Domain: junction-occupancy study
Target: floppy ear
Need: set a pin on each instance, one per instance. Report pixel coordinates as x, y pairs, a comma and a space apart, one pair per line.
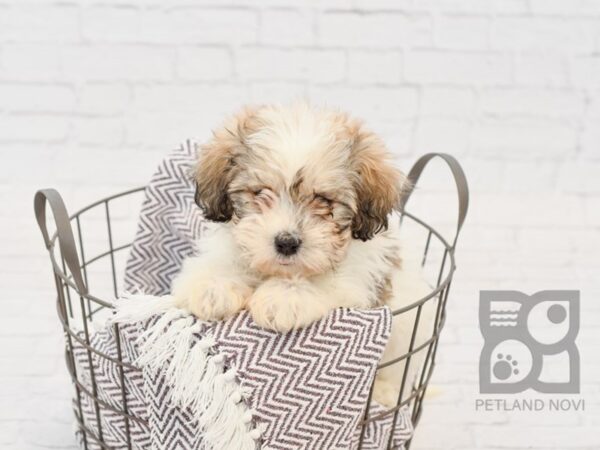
379, 185
216, 165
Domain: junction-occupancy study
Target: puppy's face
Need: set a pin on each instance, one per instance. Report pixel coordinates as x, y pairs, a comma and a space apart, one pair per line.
297, 184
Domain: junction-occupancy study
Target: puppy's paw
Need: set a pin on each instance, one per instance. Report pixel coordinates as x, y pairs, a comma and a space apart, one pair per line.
211, 299
283, 305
385, 392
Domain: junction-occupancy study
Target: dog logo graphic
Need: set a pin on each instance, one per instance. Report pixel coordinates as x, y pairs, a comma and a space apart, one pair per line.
529, 342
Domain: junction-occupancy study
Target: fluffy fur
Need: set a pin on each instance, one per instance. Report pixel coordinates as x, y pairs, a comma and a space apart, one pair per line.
325, 183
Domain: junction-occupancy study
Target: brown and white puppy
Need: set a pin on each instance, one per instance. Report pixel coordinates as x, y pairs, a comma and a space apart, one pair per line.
303, 195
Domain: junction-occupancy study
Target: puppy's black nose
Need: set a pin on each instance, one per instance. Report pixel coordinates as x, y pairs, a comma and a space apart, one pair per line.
287, 244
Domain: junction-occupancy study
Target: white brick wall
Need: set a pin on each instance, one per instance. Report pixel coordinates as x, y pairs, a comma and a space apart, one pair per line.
92, 93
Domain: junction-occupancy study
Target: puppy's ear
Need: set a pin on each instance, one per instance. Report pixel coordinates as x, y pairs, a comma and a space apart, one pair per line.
216, 165
379, 185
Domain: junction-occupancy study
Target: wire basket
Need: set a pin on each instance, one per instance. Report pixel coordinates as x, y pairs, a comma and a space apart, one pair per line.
87, 267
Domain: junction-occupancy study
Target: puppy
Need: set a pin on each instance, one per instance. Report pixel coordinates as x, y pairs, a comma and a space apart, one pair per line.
303, 195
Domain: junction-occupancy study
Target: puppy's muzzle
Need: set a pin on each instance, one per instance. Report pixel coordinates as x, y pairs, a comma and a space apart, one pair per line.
287, 244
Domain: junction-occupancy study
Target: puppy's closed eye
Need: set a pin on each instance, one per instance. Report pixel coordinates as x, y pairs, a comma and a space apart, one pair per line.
322, 205
322, 198
263, 196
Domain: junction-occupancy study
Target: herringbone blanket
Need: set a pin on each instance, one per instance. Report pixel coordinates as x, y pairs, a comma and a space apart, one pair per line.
231, 384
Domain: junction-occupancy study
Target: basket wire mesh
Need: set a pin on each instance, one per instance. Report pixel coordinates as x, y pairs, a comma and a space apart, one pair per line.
77, 307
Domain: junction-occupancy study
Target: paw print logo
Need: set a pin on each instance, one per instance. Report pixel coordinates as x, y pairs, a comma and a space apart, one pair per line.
505, 367
521, 334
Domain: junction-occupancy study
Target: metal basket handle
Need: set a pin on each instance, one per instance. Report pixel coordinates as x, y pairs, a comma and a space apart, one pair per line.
64, 231
459, 178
